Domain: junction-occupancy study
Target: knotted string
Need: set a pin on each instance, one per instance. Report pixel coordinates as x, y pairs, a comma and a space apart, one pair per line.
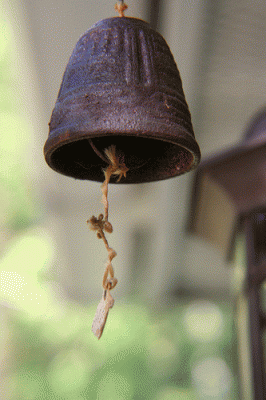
101, 224
121, 7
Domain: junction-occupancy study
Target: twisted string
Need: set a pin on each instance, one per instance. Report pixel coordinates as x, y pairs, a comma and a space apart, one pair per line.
101, 224
121, 7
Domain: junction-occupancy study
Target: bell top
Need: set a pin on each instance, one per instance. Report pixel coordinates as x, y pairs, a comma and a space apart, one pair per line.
122, 52
122, 83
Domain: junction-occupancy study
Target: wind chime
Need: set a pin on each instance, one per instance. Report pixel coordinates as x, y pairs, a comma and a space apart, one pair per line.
120, 110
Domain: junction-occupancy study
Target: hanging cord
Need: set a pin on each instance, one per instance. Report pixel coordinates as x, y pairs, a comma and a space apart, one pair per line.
121, 7
99, 154
101, 224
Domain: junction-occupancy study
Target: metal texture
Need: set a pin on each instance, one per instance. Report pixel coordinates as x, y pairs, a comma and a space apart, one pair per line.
122, 87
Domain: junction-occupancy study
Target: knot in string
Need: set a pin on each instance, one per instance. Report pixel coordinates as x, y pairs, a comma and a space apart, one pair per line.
101, 224
120, 8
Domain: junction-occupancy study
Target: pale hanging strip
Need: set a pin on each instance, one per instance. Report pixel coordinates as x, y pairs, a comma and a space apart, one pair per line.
101, 225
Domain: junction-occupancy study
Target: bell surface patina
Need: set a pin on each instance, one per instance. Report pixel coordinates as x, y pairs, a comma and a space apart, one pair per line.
121, 87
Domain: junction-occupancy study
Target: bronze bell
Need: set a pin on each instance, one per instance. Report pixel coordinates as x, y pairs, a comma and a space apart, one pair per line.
121, 87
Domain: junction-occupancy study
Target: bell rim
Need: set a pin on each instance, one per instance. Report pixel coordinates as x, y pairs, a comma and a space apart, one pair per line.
191, 146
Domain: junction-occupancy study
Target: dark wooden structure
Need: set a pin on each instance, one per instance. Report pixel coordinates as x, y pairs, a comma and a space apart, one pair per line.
229, 205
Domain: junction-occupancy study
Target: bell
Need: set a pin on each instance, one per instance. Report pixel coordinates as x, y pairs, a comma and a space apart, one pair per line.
121, 87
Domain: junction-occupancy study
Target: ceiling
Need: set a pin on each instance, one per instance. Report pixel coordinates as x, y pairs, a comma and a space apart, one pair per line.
219, 47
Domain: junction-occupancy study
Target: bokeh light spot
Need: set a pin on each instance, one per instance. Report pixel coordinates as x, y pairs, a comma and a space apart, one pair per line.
174, 393
212, 378
114, 386
203, 321
68, 372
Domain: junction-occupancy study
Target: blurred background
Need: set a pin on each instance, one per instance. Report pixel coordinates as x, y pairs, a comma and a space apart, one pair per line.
171, 333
